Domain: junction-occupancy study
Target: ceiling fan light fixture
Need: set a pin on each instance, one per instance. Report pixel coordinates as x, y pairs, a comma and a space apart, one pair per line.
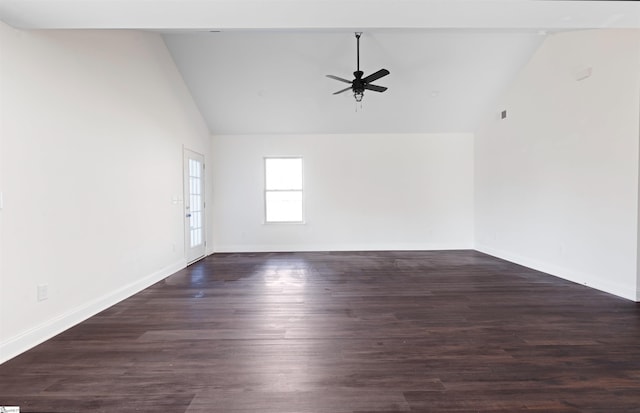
359, 83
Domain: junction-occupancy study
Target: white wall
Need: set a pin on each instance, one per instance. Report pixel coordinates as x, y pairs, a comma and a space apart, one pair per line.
93, 127
362, 192
557, 181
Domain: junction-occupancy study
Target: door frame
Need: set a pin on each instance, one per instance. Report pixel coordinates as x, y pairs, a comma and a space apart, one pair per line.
186, 155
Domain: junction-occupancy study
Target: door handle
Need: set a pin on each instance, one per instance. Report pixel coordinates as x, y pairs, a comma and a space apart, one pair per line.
188, 215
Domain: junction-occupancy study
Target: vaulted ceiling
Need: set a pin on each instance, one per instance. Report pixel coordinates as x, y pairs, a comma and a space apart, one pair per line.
259, 66
274, 82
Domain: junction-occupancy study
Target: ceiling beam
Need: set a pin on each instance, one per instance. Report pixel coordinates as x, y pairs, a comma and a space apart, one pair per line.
345, 15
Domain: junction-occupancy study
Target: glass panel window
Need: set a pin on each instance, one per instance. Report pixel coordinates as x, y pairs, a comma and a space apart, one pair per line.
283, 190
195, 185
283, 173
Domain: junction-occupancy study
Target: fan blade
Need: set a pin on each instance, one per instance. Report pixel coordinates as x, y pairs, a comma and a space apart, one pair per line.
375, 88
338, 78
343, 90
375, 76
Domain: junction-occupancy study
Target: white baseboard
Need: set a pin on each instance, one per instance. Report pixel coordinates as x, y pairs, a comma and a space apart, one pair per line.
589, 280
13, 346
340, 247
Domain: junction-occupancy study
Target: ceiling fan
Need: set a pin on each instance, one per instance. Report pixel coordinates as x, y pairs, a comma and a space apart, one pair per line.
359, 84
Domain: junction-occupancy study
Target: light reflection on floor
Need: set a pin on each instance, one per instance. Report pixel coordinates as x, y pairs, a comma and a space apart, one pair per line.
197, 276
285, 273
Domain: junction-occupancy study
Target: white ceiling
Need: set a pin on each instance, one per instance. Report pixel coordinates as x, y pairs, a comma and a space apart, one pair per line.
274, 82
265, 71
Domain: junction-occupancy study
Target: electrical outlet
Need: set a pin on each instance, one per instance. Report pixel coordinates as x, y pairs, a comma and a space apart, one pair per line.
43, 292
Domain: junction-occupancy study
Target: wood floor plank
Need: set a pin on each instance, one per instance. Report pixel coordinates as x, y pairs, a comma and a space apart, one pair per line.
318, 401
343, 332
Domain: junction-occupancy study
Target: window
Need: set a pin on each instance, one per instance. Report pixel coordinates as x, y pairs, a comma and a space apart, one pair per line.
283, 189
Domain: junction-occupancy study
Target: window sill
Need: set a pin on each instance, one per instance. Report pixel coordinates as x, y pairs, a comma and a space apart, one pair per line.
284, 223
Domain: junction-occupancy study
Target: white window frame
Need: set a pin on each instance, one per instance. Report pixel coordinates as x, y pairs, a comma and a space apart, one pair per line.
266, 191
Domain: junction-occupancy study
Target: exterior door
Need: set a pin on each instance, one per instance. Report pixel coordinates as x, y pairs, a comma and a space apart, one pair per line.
194, 228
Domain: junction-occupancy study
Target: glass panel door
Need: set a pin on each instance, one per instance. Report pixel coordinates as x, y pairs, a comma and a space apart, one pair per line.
194, 205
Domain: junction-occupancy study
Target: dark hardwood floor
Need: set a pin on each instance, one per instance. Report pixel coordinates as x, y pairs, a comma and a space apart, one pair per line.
448, 331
